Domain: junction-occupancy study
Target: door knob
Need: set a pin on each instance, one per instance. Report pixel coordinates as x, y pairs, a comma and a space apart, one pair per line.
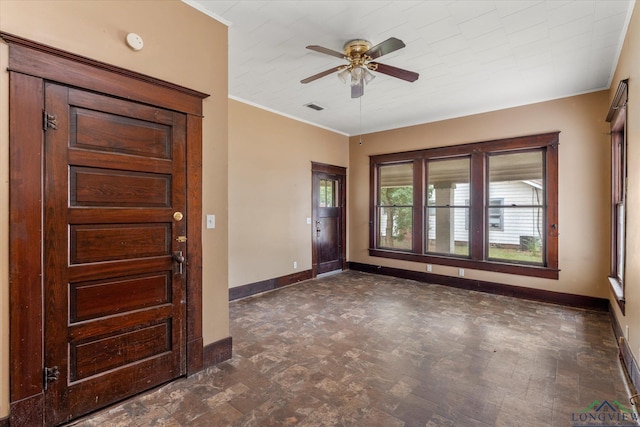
179, 258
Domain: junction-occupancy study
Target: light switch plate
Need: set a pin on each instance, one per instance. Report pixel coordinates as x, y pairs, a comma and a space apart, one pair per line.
211, 221
308, 221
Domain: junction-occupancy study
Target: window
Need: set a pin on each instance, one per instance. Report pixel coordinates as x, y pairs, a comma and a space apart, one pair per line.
518, 177
395, 208
447, 180
617, 118
489, 206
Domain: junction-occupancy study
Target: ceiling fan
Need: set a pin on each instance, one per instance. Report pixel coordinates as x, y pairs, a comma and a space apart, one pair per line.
360, 55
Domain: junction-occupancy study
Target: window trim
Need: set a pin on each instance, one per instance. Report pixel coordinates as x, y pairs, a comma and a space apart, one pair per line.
617, 118
478, 151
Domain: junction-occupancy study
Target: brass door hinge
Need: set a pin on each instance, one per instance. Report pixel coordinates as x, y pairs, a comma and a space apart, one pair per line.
50, 375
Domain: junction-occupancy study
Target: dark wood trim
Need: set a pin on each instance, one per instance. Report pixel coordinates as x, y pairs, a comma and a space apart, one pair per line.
552, 201
626, 356
498, 267
194, 244
330, 169
419, 201
267, 285
57, 65
290, 279
617, 118
619, 100
28, 412
217, 352
373, 203
560, 298
26, 359
494, 146
478, 188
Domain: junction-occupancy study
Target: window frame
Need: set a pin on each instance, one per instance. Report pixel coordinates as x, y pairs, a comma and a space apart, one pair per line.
617, 118
478, 190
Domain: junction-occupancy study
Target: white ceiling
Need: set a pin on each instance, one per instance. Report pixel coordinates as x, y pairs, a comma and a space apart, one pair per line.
472, 56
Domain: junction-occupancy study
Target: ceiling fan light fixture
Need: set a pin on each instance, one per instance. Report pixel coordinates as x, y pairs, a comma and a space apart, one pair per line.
356, 75
342, 75
368, 76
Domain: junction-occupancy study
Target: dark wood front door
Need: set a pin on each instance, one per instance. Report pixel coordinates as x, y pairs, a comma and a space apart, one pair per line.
114, 227
328, 219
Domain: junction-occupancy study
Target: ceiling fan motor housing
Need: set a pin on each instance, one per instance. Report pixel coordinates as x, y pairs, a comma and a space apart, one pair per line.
354, 51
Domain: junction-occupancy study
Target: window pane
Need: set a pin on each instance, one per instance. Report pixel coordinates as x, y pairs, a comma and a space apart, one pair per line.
515, 177
395, 213
396, 227
396, 185
515, 212
323, 193
447, 232
620, 241
448, 180
448, 186
328, 193
520, 240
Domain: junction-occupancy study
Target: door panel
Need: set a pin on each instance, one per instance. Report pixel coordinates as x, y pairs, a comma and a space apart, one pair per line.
104, 187
329, 240
328, 211
114, 296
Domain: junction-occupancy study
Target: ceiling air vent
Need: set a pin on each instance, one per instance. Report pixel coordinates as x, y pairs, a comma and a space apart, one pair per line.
314, 106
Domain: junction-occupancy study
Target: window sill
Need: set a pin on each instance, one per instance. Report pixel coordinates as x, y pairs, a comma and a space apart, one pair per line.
618, 291
498, 267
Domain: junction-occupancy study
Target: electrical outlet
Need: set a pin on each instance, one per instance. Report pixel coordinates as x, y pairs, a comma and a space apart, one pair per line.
461, 272
295, 264
429, 268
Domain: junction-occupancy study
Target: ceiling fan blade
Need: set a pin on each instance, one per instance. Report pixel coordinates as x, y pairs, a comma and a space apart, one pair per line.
390, 45
357, 90
322, 74
326, 51
399, 73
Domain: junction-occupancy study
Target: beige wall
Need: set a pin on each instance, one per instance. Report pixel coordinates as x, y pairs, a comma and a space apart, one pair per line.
270, 191
629, 67
181, 45
583, 184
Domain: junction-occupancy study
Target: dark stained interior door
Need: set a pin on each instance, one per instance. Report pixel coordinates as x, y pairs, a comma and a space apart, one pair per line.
328, 211
114, 273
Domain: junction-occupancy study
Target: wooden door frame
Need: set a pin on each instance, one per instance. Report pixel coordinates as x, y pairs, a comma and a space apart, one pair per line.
333, 170
30, 65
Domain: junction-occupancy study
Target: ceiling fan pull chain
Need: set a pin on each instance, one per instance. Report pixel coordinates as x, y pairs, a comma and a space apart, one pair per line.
360, 143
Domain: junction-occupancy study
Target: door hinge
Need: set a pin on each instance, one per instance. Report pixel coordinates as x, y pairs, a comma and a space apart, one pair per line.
50, 375
49, 121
